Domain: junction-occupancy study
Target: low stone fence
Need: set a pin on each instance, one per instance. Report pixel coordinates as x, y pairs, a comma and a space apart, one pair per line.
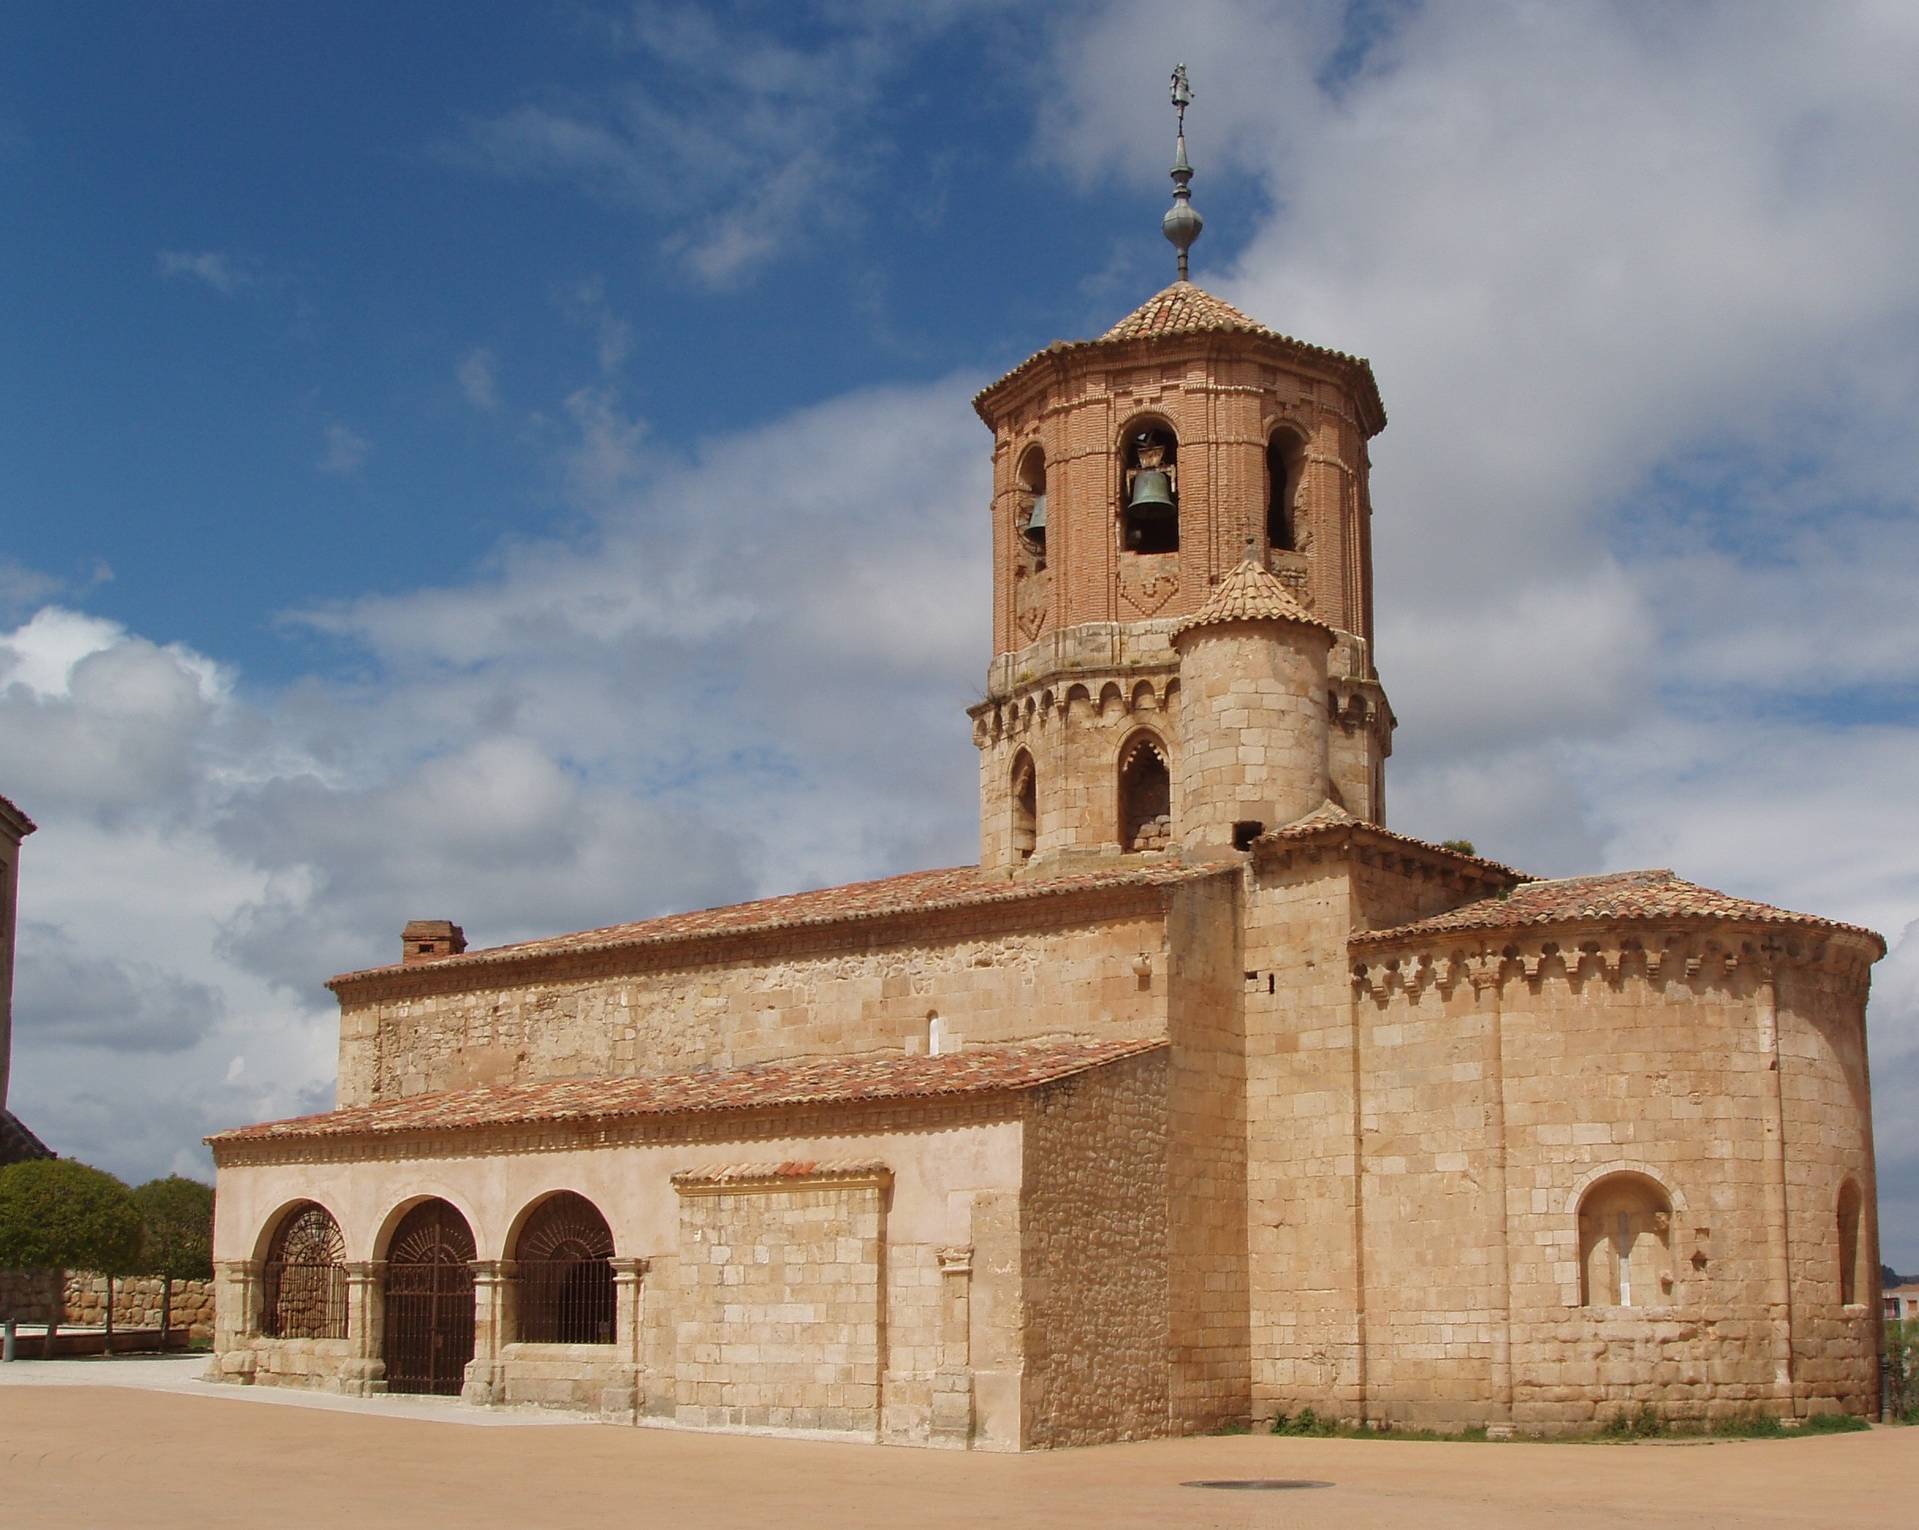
79, 1298
32, 1296
136, 1303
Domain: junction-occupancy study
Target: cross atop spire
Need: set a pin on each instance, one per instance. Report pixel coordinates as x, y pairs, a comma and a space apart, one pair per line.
1182, 224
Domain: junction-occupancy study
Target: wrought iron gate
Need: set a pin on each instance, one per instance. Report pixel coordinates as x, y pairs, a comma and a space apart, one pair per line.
429, 1301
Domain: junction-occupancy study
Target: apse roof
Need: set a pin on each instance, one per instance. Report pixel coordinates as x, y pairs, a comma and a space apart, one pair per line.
766, 1086
1617, 897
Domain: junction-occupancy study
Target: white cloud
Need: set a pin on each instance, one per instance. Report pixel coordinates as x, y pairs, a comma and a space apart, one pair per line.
346, 450
478, 374
223, 272
769, 131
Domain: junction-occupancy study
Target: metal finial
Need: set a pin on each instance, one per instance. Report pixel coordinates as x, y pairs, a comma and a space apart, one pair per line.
1182, 224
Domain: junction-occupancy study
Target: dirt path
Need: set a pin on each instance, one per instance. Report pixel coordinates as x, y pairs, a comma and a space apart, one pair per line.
110, 1457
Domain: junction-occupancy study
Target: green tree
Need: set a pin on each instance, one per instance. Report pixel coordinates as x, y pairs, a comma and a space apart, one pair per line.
176, 1216
59, 1214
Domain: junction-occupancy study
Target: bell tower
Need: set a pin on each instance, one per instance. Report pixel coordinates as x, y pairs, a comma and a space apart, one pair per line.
1188, 462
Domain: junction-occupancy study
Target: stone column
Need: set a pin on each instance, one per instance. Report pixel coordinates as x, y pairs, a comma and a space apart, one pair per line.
952, 1423
493, 1293
625, 1399
236, 1319
364, 1374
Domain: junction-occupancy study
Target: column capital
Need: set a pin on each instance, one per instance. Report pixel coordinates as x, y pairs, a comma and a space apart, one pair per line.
239, 1267
630, 1269
364, 1269
493, 1269
956, 1261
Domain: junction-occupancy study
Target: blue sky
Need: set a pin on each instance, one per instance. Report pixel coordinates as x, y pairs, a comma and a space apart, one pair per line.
513, 463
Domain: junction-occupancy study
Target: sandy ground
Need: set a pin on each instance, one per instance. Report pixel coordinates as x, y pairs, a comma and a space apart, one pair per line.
168, 1451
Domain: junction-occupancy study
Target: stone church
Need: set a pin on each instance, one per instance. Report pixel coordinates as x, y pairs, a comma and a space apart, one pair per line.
1204, 1096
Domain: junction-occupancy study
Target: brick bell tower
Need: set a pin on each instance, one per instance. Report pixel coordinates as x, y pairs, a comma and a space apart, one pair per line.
1182, 584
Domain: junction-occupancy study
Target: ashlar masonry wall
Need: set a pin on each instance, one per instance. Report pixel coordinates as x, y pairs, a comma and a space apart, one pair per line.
1501, 1085
780, 995
1095, 1257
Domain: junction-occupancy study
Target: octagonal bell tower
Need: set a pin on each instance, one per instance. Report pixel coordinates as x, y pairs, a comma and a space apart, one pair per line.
1132, 475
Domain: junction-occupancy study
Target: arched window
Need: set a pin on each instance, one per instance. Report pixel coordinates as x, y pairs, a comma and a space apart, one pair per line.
1145, 796
1625, 1243
1149, 488
304, 1279
564, 1262
1030, 516
1025, 806
1282, 486
1850, 1285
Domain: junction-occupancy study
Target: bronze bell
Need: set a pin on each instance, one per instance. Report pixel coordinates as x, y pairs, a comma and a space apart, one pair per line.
1152, 494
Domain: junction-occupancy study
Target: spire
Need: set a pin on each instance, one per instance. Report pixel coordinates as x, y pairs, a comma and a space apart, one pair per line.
1182, 224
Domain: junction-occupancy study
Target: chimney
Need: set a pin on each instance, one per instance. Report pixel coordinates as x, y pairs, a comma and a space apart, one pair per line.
426, 940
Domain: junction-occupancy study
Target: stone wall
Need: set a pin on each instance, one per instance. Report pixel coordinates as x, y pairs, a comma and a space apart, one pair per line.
32, 1296
136, 1302
1206, 1185
779, 1302
1074, 727
1502, 1086
783, 999
1093, 1221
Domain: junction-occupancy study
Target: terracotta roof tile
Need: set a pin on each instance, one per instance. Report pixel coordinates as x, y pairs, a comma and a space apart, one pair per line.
9, 807
1184, 309
915, 892
1618, 897
768, 1086
1249, 594
17, 1144
1330, 818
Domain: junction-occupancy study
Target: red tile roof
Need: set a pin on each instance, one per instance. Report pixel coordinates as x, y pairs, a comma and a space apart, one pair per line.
1184, 309
916, 892
767, 1086
1329, 819
1249, 594
1618, 897
10, 808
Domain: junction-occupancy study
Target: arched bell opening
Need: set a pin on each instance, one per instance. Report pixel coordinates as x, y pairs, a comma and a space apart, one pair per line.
303, 1278
1030, 508
563, 1262
1285, 459
1145, 795
1149, 487
1025, 807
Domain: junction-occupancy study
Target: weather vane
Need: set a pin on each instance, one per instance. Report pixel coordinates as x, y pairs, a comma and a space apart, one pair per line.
1182, 224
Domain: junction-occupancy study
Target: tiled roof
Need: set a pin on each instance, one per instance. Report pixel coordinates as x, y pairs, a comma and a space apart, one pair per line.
1249, 594
824, 1081
17, 1144
915, 892
1184, 309
7, 806
1330, 818
1619, 897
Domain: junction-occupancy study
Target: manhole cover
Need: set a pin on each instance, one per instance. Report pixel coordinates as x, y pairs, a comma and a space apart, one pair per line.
1257, 1484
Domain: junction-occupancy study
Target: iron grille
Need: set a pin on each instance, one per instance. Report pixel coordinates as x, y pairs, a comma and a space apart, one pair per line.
429, 1301
304, 1280
565, 1273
